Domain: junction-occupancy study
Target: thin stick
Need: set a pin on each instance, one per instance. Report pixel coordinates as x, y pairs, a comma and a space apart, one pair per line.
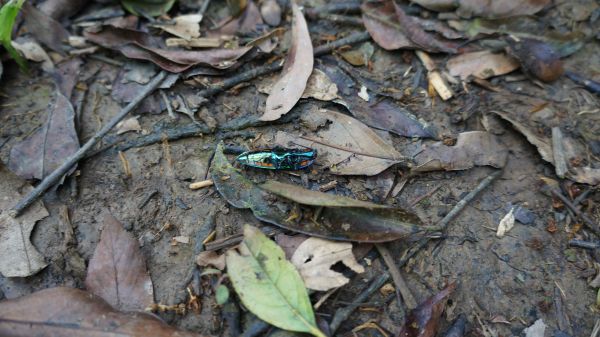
343, 313
401, 286
587, 221
51, 179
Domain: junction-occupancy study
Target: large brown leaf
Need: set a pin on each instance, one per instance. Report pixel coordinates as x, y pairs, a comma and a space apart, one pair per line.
296, 71
364, 224
19, 256
346, 145
424, 320
485, 8
392, 28
472, 148
68, 312
44, 28
45, 150
117, 270
139, 45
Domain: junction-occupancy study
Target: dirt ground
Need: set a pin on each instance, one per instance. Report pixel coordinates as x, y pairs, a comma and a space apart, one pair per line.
512, 279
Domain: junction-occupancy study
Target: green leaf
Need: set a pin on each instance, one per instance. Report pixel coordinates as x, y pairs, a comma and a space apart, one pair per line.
222, 294
269, 285
8, 14
148, 7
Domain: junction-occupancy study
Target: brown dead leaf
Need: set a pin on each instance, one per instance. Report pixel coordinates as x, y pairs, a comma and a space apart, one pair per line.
42, 152
139, 45
183, 26
481, 64
424, 320
33, 52
117, 270
289, 243
473, 148
296, 71
346, 146
68, 312
271, 12
314, 259
537, 58
44, 28
130, 124
392, 28
245, 23
19, 256
211, 258
319, 86
485, 8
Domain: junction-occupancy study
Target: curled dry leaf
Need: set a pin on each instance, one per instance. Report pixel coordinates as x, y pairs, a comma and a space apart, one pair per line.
343, 218
271, 12
139, 45
19, 256
473, 148
319, 86
76, 313
485, 8
117, 270
384, 114
211, 258
392, 28
296, 71
346, 146
130, 124
481, 64
424, 320
184, 26
314, 259
269, 285
506, 224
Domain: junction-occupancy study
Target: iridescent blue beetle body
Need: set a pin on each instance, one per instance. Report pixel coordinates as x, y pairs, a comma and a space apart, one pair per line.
278, 158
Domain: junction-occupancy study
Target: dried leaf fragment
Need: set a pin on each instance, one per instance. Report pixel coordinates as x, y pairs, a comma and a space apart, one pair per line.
506, 224
184, 26
481, 64
117, 270
424, 320
314, 259
296, 71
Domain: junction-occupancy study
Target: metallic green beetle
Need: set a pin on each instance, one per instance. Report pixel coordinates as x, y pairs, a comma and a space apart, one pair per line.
278, 158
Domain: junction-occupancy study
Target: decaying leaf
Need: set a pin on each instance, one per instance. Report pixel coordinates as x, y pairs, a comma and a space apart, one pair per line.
19, 256
346, 146
211, 258
42, 152
370, 223
33, 52
423, 321
481, 64
296, 71
130, 124
44, 28
314, 259
139, 45
485, 8
319, 86
244, 23
537, 58
392, 28
76, 313
269, 285
472, 148
117, 270
506, 224
183, 26
384, 114
148, 7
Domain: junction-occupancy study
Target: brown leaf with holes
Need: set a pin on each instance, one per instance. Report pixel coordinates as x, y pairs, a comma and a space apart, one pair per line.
68, 312
424, 320
117, 270
296, 71
392, 28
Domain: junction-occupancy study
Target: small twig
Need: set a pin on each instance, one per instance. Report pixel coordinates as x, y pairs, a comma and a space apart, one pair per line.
344, 19
51, 179
586, 220
561, 316
402, 290
237, 238
596, 329
201, 184
584, 244
343, 313
105, 59
424, 196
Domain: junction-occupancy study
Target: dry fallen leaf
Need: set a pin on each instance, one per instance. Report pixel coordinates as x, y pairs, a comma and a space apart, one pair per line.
19, 256
117, 270
244, 23
211, 258
296, 71
44, 28
68, 312
481, 64
314, 259
130, 124
347, 146
486, 8
319, 86
32, 51
506, 224
184, 26
424, 320
472, 148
